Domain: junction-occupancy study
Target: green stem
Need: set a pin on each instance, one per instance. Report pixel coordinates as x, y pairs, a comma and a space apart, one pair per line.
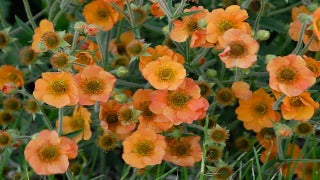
305, 48
283, 10
129, 84
60, 13
2, 19
74, 41
300, 40
256, 23
52, 9
278, 102
101, 49
60, 113
201, 54
29, 14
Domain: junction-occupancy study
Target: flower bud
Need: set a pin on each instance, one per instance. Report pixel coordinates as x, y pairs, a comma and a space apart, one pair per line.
91, 30
176, 133
202, 23
80, 26
263, 35
211, 73
9, 89
282, 130
304, 17
120, 98
121, 71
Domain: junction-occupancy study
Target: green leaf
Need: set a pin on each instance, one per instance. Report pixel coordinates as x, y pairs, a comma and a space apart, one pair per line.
186, 14
73, 134
24, 26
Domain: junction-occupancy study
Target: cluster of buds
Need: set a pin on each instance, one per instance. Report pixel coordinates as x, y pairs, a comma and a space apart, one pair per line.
84, 28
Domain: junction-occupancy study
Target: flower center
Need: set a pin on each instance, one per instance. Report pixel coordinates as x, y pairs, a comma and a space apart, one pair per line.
126, 116
139, 16
224, 26
135, 48
267, 133
145, 110
178, 100
166, 74
59, 87
219, 135
31, 106
111, 118
261, 109
102, 13
107, 142
144, 148
312, 67
224, 172
27, 55
296, 102
5, 117
287, 75
59, 60
192, 26
93, 86
13, 77
50, 40
4, 138
121, 48
120, 61
77, 122
237, 49
3, 40
224, 96
49, 153
180, 148
213, 153
83, 59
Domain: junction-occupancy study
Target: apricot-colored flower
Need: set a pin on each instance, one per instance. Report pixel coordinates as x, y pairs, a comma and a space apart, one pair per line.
219, 21
298, 10
110, 121
164, 73
95, 84
256, 112
80, 120
48, 153
241, 90
240, 49
83, 57
184, 151
10, 74
184, 104
101, 14
316, 22
189, 26
267, 137
57, 89
144, 147
119, 46
300, 108
159, 51
147, 119
45, 26
290, 75
156, 11
313, 65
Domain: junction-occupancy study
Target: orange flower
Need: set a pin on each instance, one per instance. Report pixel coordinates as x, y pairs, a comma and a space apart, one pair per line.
110, 121
119, 47
256, 112
305, 170
219, 21
95, 84
80, 120
101, 14
159, 51
85, 58
316, 22
313, 65
164, 73
241, 90
300, 108
156, 11
56, 89
10, 74
147, 119
48, 153
267, 138
144, 147
44, 27
184, 151
184, 104
290, 75
189, 26
240, 49
297, 10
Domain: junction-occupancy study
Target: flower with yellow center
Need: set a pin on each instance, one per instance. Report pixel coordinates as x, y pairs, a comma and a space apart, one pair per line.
313, 65
225, 96
290, 75
256, 112
45, 26
57, 89
60, 60
218, 134
9, 74
164, 73
84, 58
5, 139
144, 147
107, 141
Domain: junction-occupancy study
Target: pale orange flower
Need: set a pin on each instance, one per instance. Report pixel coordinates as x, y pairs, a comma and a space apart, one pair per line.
184, 104
156, 11
300, 108
147, 119
240, 49
85, 58
290, 75
256, 112
164, 73
110, 121
184, 151
298, 10
189, 26
220, 20
57, 89
95, 84
49, 154
159, 51
316, 22
45, 26
119, 47
241, 90
144, 147
80, 120
9, 74
101, 14
313, 65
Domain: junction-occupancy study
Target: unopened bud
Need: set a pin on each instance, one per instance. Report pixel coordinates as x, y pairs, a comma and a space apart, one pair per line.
91, 30
120, 98
263, 35
211, 73
202, 23
80, 26
121, 71
304, 17
9, 89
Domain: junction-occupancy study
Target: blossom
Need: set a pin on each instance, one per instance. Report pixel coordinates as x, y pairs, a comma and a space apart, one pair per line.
240, 49
164, 73
156, 11
316, 23
119, 46
290, 75
241, 90
49, 154
184, 104
56, 89
45, 27
10, 75
83, 57
313, 65
256, 112
184, 151
144, 147
299, 108
95, 84
219, 21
